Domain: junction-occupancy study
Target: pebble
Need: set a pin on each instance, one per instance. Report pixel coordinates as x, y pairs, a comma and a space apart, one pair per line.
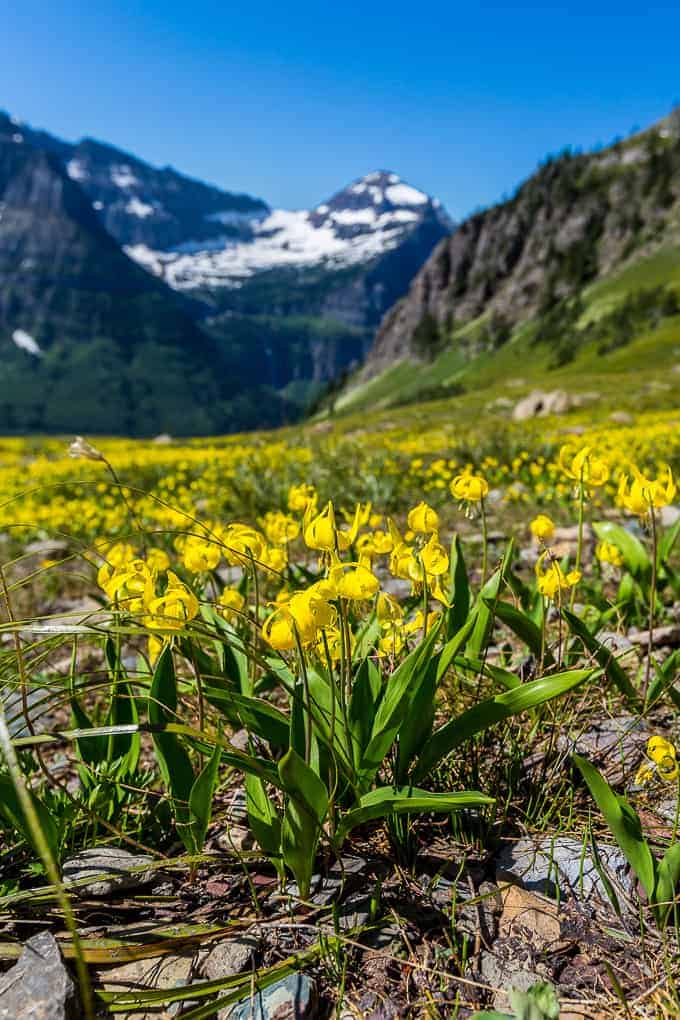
292, 998
110, 868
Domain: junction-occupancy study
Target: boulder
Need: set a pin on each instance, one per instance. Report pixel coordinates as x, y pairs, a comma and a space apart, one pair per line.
539, 404
38, 986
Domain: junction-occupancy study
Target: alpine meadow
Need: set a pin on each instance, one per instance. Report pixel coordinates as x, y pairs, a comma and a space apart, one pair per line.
340, 587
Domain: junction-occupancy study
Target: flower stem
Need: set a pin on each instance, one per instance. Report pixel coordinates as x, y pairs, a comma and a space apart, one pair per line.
485, 541
652, 602
579, 543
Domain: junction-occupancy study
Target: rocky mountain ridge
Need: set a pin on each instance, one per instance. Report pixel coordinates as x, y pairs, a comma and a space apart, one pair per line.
575, 220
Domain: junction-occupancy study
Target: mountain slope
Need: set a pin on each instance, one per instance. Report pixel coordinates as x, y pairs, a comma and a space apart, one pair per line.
88, 337
291, 298
523, 273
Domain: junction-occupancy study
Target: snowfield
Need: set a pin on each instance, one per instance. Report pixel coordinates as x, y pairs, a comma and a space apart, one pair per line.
370, 217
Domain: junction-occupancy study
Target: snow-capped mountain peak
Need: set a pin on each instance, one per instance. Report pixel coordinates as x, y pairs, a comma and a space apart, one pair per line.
374, 214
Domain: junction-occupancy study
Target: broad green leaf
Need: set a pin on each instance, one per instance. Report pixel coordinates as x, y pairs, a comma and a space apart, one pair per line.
253, 714
523, 626
631, 548
494, 710
367, 690
92, 750
201, 799
303, 818
624, 824
667, 878
453, 647
263, 817
459, 590
484, 614
667, 542
417, 724
386, 801
606, 657
173, 760
395, 705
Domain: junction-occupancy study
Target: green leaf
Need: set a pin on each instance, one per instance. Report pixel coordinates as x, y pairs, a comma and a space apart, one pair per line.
13, 813
631, 548
604, 656
459, 590
523, 626
484, 615
201, 799
417, 724
494, 710
253, 714
396, 702
367, 690
304, 815
667, 878
667, 542
386, 802
666, 675
263, 817
624, 824
173, 760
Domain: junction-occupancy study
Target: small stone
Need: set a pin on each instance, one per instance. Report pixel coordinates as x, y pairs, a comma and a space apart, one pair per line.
292, 998
110, 868
353, 913
504, 970
621, 418
616, 745
230, 957
562, 866
669, 635
48, 548
159, 972
38, 986
669, 515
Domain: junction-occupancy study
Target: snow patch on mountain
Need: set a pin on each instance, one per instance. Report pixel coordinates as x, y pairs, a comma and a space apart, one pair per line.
138, 208
123, 177
27, 343
371, 216
76, 170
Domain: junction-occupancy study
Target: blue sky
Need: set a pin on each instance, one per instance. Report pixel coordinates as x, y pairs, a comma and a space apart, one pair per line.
291, 101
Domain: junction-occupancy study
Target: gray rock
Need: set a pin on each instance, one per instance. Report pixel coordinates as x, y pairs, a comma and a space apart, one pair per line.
561, 867
157, 972
621, 418
616, 745
48, 548
110, 868
229, 957
539, 404
669, 515
38, 986
669, 635
503, 970
292, 998
353, 913
39, 701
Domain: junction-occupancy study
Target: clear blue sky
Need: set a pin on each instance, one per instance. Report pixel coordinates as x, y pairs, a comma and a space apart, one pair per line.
290, 101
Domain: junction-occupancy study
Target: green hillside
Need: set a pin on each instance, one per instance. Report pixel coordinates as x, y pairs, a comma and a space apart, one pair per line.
619, 336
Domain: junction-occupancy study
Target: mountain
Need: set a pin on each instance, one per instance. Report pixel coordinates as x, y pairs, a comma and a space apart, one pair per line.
307, 289
88, 338
289, 299
583, 259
